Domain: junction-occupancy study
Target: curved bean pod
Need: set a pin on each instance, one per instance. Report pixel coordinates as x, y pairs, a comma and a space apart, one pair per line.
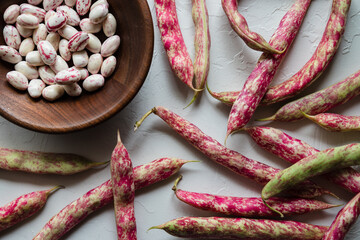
43, 162
123, 191
260, 78
248, 207
319, 101
241, 228
23, 207
335, 122
78, 210
236, 162
322, 162
228, 97
240, 26
321, 58
293, 150
171, 36
344, 220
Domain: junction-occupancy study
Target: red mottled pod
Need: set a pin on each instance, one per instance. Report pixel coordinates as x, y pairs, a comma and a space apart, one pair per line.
248, 207
257, 171
320, 101
78, 210
344, 220
171, 36
124, 191
241, 228
321, 58
261, 77
23, 207
240, 26
336, 122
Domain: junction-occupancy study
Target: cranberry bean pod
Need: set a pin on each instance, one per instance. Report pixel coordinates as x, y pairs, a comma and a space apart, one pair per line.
257, 171
12, 36
35, 88
240, 26
319, 61
335, 122
241, 228
171, 36
44, 162
123, 191
248, 207
293, 150
23, 207
11, 13
344, 220
9, 54
78, 210
320, 101
225, 97
260, 78
318, 163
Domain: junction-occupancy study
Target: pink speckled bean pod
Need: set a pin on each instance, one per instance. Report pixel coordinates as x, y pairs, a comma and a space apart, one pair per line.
335, 122
257, 83
240, 26
202, 45
319, 61
171, 36
43, 162
344, 220
257, 171
227, 97
320, 101
241, 228
78, 210
293, 150
122, 179
248, 207
23, 207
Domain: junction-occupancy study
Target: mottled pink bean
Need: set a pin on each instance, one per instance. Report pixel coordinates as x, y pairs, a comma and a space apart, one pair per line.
40, 34
68, 76
28, 21
12, 36
51, 4
108, 66
83, 6
11, 13
99, 13
73, 90
17, 80
30, 9
64, 50
26, 46
78, 42
9, 54
73, 18
109, 25
87, 26
47, 75
35, 88
56, 21
47, 52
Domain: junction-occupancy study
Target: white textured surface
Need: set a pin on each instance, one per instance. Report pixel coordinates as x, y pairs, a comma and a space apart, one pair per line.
231, 63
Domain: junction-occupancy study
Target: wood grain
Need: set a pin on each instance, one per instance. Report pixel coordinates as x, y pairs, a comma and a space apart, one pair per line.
135, 28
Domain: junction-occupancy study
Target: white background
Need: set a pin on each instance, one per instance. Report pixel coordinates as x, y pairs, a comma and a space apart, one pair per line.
231, 63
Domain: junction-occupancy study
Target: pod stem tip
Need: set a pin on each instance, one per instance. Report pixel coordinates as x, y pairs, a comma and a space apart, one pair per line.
174, 188
138, 123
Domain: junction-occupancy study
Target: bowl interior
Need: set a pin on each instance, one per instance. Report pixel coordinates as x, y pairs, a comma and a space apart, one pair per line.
135, 28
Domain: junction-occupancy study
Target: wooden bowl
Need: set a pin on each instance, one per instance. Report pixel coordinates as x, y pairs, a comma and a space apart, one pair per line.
135, 28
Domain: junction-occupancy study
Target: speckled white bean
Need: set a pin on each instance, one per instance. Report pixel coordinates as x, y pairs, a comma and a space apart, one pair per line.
51, 4
95, 62
33, 59
80, 59
40, 33
34, 2
73, 18
33, 10
28, 21
64, 50
26, 46
70, 3
109, 25
35, 88
83, 71
49, 14
68, 76
47, 75
30, 72
47, 52
12, 36
78, 42
94, 44
10, 54
67, 31
108, 66
17, 80
98, 14
98, 3
87, 26
53, 92
54, 39
24, 32
83, 6
93, 82
11, 13
57, 21
60, 64
110, 46
73, 90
